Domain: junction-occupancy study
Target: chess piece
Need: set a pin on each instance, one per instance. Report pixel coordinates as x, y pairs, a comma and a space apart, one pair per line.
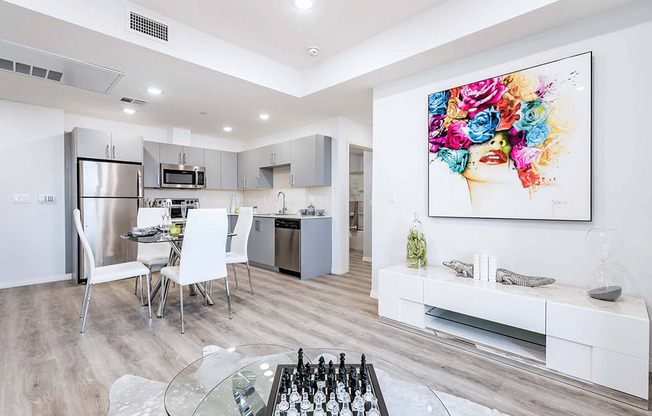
363, 365
319, 397
292, 411
358, 402
305, 403
342, 368
308, 374
353, 380
368, 396
346, 410
277, 412
284, 405
332, 404
374, 408
319, 410
300, 361
303, 413
294, 396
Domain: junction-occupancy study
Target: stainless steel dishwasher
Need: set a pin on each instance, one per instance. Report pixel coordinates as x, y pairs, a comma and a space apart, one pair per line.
287, 255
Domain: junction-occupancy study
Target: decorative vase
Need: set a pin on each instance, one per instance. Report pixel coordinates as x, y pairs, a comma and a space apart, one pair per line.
607, 278
416, 245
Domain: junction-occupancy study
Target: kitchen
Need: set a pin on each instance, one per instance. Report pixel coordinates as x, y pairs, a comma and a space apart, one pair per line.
281, 238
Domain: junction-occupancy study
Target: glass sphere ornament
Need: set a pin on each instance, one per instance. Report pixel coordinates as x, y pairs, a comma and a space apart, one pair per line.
608, 278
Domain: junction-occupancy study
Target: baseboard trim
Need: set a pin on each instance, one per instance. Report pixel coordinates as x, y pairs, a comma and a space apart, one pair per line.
341, 270
36, 281
367, 259
373, 294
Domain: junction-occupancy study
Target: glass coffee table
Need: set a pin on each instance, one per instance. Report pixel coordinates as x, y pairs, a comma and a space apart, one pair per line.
219, 383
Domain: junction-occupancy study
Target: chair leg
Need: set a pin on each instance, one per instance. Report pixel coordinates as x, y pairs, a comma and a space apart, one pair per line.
81, 312
165, 298
228, 296
149, 294
250, 284
235, 275
210, 290
183, 328
140, 280
136, 287
165, 284
88, 302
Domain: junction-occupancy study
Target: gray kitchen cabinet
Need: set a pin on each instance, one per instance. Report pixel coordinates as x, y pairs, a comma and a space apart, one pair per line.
213, 163
229, 170
181, 155
310, 163
193, 156
171, 153
104, 145
245, 161
151, 164
275, 154
261, 241
127, 147
92, 144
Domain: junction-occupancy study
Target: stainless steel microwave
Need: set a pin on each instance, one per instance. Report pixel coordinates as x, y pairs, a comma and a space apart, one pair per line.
182, 176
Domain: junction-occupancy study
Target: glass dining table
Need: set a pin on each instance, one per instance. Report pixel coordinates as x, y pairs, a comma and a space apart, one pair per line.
176, 242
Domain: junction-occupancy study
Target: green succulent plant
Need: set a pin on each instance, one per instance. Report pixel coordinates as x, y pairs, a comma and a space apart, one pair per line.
416, 249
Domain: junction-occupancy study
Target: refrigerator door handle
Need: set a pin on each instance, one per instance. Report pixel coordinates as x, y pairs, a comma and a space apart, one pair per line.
139, 183
106, 151
114, 151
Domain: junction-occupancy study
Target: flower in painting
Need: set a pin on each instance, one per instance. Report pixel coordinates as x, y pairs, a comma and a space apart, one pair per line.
529, 178
532, 114
438, 103
537, 135
516, 137
483, 126
522, 85
508, 113
524, 156
453, 111
436, 128
456, 159
456, 138
481, 95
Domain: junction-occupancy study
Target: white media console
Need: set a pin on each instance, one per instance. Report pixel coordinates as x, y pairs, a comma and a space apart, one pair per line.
557, 328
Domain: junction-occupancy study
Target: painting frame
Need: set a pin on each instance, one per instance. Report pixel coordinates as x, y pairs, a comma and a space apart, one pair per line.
589, 139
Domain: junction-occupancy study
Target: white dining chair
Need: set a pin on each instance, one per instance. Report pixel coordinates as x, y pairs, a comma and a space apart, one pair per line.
104, 274
154, 256
239, 243
203, 257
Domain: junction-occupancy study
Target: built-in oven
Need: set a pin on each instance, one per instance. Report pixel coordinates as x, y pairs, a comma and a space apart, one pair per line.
182, 176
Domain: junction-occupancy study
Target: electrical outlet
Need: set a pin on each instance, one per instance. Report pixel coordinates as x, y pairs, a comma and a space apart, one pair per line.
21, 199
47, 199
319, 199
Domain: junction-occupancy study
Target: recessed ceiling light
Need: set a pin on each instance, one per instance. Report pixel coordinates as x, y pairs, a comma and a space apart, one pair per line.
227, 129
303, 4
154, 91
264, 116
129, 110
313, 50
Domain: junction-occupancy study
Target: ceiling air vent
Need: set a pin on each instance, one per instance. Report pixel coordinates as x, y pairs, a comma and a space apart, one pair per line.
148, 26
44, 65
133, 101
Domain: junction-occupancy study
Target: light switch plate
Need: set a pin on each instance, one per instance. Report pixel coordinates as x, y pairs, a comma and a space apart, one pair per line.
20, 199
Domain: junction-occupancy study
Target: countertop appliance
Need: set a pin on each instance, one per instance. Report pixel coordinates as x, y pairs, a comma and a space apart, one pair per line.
108, 197
287, 239
175, 204
182, 176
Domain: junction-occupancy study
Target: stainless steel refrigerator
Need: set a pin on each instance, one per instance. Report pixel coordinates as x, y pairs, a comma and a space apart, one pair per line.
108, 196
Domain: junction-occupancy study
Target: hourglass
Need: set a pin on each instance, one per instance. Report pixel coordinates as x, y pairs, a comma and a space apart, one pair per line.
606, 278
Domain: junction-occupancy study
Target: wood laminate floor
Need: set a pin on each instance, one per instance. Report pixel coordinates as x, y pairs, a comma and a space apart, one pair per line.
49, 368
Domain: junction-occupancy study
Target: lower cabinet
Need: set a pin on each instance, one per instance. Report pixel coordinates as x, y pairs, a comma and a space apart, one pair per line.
261, 241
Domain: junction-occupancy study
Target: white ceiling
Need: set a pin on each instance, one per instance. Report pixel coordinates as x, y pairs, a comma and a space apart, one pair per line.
278, 30
230, 98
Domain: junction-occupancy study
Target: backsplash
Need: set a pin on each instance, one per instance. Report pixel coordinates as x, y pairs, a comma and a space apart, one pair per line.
265, 199
295, 198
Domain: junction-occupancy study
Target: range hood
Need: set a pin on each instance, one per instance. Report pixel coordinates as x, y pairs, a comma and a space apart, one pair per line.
54, 68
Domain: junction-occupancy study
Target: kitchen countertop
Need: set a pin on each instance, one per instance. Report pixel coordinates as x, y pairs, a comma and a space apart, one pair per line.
290, 216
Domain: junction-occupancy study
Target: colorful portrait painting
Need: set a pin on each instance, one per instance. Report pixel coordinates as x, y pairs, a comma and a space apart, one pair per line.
515, 146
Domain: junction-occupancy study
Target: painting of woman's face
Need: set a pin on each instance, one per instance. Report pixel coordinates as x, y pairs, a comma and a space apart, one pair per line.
516, 145
489, 161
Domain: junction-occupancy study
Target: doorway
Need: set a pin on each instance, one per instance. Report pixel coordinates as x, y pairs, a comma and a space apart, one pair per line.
360, 174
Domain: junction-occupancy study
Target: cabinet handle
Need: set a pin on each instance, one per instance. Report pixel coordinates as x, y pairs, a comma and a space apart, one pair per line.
158, 180
257, 182
291, 178
114, 151
180, 159
244, 183
106, 151
184, 158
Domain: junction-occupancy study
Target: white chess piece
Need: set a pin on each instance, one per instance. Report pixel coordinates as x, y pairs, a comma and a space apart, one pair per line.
284, 405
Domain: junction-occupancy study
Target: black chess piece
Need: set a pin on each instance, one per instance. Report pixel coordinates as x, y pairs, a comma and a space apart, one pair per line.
331, 368
330, 383
342, 375
363, 364
353, 380
307, 375
300, 361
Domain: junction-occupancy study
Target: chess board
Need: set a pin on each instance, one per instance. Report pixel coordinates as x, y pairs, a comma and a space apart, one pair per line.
276, 393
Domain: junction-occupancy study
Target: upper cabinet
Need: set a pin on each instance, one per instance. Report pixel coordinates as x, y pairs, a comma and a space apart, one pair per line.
181, 155
96, 144
213, 159
229, 170
151, 164
310, 163
247, 169
275, 155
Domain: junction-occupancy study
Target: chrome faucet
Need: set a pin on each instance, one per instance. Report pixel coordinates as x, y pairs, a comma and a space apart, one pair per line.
284, 210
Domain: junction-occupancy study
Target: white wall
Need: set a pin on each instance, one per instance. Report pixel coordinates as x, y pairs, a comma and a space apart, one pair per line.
622, 198
32, 249
368, 186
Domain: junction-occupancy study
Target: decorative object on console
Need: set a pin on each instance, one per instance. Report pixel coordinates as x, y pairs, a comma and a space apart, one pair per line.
515, 146
606, 279
311, 209
504, 276
416, 245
